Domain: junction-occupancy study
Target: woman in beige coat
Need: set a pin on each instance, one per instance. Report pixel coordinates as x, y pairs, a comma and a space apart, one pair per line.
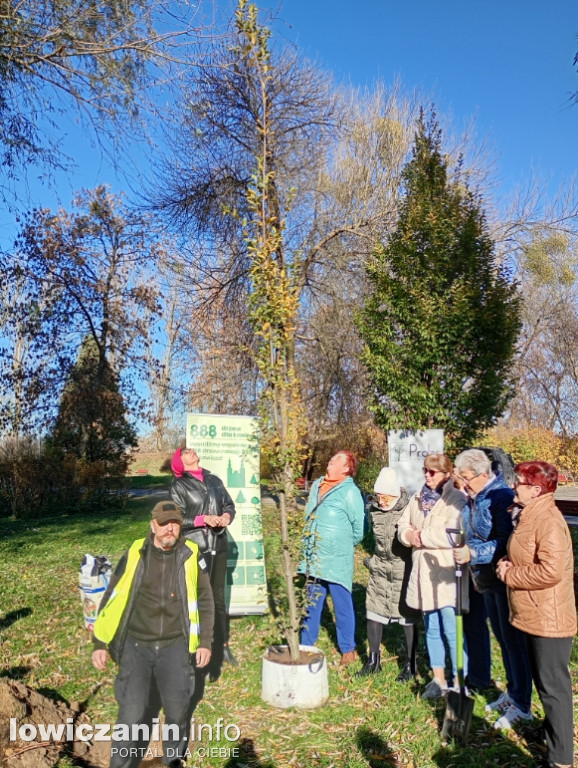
432, 583
539, 574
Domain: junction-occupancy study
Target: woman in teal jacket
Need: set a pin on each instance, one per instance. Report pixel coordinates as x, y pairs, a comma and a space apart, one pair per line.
334, 524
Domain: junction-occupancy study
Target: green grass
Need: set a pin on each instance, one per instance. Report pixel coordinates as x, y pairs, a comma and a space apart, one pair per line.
148, 481
371, 721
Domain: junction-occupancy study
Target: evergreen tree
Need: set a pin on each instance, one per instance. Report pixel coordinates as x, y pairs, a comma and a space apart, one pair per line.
441, 325
92, 422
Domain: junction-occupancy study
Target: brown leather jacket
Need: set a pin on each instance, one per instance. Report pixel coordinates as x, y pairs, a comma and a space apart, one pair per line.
541, 580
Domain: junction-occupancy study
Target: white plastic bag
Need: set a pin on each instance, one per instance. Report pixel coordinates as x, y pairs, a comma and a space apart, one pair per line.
93, 580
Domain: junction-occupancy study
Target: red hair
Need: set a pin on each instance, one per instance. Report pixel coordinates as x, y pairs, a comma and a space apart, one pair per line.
539, 473
351, 462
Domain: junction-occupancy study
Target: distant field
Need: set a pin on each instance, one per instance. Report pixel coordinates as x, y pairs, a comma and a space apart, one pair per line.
155, 463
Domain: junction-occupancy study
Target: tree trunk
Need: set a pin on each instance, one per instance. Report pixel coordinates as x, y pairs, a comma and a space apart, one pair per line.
292, 634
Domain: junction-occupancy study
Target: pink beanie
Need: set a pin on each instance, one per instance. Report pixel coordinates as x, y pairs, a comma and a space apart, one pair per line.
177, 464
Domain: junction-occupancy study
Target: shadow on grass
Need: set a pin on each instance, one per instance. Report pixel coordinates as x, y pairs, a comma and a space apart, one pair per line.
492, 747
248, 757
375, 750
15, 673
10, 618
53, 695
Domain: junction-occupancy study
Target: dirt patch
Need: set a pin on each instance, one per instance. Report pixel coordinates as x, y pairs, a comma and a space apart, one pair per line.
280, 654
29, 707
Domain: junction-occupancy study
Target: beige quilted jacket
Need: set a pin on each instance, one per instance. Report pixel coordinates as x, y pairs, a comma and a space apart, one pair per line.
432, 583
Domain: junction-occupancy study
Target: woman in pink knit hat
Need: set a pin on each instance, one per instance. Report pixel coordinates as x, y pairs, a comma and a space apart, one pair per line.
207, 511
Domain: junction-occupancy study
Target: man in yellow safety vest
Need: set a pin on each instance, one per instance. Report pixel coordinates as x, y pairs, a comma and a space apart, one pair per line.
156, 621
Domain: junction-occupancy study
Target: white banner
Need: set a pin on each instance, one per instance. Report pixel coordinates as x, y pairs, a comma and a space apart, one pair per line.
407, 450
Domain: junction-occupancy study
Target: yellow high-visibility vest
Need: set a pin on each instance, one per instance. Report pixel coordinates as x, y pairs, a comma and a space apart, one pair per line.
108, 620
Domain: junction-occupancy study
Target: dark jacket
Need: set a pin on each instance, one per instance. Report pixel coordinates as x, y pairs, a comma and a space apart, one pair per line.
390, 565
177, 578
195, 498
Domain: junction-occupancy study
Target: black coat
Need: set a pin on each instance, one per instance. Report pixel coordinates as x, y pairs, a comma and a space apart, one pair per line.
195, 498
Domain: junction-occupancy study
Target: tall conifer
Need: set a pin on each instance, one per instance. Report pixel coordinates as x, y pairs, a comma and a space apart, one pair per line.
441, 324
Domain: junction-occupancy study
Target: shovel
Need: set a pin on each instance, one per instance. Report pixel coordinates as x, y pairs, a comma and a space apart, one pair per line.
460, 706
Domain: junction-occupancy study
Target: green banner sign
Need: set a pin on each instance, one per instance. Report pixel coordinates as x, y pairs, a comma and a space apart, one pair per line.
229, 447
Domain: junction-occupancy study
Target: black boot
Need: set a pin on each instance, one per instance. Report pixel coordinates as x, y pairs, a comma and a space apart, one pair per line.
228, 657
407, 673
372, 665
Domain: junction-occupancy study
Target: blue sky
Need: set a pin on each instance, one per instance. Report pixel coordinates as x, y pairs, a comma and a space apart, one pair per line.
507, 64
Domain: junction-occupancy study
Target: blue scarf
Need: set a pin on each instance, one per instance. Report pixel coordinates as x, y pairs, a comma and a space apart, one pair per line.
429, 498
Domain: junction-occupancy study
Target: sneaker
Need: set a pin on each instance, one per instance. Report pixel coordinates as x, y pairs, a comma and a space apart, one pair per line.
502, 703
434, 690
511, 715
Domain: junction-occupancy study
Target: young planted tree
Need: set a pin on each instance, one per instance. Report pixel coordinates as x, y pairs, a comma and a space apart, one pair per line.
273, 312
441, 325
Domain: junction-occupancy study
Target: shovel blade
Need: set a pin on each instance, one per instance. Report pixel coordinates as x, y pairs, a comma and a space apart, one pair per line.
458, 717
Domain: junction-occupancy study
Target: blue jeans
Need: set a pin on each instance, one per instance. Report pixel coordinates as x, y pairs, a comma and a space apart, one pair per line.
513, 646
439, 624
344, 614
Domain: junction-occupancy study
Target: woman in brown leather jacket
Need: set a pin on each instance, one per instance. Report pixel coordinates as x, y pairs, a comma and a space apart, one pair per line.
539, 574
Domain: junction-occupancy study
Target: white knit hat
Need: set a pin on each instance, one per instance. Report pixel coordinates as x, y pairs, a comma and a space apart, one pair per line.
387, 482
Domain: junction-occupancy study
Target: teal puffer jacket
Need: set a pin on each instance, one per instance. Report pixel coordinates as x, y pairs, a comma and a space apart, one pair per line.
333, 526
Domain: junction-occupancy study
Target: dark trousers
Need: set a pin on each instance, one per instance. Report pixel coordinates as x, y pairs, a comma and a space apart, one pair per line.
150, 676
513, 646
478, 641
549, 659
217, 567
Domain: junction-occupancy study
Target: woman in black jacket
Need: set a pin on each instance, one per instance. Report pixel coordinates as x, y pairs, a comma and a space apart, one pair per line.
207, 511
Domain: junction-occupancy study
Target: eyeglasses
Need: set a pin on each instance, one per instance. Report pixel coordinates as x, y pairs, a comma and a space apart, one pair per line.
431, 472
519, 482
466, 480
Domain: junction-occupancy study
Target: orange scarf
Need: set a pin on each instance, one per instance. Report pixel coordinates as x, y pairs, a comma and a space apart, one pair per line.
327, 485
